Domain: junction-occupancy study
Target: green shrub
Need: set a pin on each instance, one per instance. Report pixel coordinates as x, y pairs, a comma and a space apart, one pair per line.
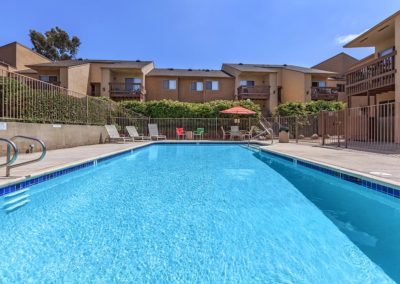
312, 107
176, 109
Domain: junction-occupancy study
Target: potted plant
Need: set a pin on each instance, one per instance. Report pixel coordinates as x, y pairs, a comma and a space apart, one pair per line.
283, 134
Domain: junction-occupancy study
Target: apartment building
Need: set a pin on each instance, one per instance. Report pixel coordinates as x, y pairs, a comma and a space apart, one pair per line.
334, 87
271, 85
117, 79
266, 85
374, 79
15, 57
188, 85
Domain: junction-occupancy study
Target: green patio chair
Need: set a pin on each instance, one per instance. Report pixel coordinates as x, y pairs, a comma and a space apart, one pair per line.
198, 132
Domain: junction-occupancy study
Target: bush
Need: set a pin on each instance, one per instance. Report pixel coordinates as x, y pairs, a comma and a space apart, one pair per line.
312, 107
176, 109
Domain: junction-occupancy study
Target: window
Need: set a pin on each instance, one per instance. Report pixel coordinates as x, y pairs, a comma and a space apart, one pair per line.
212, 85
133, 84
247, 83
48, 78
386, 51
197, 86
340, 87
169, 84
320, 84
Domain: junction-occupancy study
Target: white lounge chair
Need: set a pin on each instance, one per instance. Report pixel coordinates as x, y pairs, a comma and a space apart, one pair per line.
113, 135
133, 133
235, 132
153, 132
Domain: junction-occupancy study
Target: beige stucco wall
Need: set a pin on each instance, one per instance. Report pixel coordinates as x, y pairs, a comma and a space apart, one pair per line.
78, 78
293, 86
273, 98
26, 56
55, 138
105, 82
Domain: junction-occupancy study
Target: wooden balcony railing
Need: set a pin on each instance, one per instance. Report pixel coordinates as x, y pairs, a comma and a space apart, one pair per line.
125, 90
374, 76
254, 92
324, 93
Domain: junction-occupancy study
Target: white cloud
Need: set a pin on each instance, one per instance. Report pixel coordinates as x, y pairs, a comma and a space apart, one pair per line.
345, 38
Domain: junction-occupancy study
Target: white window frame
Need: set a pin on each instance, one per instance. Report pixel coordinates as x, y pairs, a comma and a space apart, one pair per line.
244, 83
170, 85
214, 85
199, 86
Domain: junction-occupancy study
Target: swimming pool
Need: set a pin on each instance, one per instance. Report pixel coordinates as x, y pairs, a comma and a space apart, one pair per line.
200, 213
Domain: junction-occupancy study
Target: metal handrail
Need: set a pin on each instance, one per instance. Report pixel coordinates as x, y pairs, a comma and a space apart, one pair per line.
44, 150
10, 160
267, 130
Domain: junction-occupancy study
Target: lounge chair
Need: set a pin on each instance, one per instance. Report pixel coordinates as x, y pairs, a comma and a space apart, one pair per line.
199, 132
249, 134
224, 133
113, 135
235, 132
180, 132
133, 133
153, 132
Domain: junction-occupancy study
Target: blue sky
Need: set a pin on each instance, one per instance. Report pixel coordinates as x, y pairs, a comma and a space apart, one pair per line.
201, 33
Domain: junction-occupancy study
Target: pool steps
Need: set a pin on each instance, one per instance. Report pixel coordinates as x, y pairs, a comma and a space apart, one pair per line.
15, 200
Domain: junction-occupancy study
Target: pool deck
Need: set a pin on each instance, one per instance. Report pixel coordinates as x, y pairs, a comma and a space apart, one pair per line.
357, 162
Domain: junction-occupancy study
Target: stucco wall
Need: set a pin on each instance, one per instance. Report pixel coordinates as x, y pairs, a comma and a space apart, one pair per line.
65, 136
293, 86
183, 92
78, 78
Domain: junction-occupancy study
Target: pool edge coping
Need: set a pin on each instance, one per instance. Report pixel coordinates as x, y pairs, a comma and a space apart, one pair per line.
364, 177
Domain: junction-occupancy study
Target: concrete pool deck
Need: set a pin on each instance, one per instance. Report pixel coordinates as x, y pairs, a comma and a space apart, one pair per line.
385, 168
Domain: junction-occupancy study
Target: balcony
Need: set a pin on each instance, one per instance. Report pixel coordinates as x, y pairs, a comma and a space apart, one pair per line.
324, 93
254, 92
373, 77
126, 90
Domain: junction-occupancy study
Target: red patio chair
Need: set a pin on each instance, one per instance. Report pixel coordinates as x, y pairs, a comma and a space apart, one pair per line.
180, 133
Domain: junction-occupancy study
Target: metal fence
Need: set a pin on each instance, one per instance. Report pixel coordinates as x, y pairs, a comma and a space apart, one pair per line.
213, 127
371, 128
30, 100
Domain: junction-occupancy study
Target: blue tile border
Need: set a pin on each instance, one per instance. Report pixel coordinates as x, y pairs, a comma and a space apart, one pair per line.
380, 187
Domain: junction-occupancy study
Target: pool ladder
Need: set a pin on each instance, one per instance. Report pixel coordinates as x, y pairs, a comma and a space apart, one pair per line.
267, 129
19, 198
16, 199
13, 151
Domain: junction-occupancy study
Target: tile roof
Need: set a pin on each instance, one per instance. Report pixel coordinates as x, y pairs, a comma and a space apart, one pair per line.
188, 73
269, 68
75, 62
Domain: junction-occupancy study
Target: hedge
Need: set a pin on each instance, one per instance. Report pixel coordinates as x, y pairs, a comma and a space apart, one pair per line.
312, 107
176, 109
21, 102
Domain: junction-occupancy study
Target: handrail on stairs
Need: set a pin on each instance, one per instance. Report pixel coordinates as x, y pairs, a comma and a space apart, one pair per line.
11, 165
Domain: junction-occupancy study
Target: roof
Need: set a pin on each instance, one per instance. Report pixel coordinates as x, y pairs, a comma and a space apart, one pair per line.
24, 46
75, 62
188, 73
338, 63
269, 68
378, 32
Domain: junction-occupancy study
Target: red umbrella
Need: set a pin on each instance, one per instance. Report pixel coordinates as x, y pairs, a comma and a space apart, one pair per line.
238, 110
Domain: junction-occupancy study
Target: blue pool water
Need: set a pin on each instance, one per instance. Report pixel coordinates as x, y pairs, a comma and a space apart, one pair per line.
200, 213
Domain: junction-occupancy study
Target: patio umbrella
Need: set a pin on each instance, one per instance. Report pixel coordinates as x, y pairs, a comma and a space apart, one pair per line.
238, 110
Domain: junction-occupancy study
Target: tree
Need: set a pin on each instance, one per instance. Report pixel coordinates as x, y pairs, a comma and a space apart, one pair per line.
55, 44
